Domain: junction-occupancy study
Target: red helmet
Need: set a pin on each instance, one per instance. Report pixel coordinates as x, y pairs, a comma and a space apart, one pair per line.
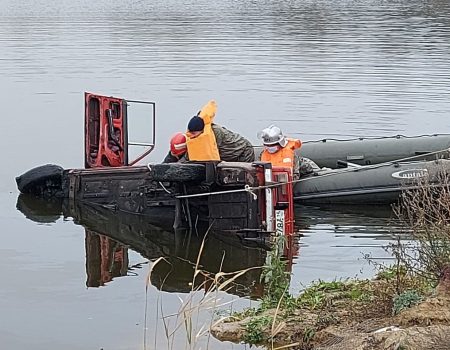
178, 144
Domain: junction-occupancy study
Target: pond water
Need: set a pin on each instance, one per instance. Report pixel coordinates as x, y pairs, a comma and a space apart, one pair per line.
315, 68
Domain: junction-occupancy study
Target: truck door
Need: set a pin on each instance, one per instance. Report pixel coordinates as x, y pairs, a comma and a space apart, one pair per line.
106, 131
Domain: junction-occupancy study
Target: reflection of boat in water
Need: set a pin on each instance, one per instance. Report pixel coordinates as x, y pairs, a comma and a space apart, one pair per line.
378, 222
109, 233
335, 212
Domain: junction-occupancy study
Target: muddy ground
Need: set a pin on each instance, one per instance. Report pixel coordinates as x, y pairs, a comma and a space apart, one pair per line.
344, 323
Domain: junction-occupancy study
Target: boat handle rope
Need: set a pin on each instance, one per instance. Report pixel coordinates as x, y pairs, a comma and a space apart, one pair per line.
246, 188
375, 166
251, 190
355, 138
164, 188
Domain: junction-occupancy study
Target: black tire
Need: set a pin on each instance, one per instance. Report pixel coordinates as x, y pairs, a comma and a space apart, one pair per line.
44, 180
39, 209
179, 172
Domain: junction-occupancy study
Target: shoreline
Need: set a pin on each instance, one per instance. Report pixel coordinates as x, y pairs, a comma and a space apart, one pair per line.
348, 315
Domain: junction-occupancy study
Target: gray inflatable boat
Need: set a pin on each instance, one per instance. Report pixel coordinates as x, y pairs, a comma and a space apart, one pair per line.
372, 170
370, 184
366, 151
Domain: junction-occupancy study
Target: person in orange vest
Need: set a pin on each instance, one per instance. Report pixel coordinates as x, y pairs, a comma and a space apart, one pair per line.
280, 150
207, 141
178, 149
231, 146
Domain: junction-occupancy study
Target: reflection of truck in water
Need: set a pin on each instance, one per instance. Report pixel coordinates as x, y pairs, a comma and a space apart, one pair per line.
110, 234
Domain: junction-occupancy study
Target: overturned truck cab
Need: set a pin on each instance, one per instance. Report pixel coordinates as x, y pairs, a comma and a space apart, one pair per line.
235, 197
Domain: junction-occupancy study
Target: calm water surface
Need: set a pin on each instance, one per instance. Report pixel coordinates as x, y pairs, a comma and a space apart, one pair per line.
316, 68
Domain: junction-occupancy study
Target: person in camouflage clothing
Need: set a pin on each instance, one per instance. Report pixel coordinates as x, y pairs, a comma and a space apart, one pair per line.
232, 147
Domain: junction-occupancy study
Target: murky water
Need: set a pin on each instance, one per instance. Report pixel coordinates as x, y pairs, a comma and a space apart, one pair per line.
316, 68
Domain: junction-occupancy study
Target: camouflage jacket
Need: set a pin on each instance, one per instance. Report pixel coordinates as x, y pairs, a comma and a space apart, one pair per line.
232, 146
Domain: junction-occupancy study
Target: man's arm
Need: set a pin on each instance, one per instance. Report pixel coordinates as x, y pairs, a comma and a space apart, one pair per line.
218, 134
170, 158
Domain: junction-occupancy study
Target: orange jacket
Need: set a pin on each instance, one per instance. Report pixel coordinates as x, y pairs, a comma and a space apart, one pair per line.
204, 146
285, 157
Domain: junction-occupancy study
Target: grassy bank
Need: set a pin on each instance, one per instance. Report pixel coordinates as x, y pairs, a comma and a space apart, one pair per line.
406, 306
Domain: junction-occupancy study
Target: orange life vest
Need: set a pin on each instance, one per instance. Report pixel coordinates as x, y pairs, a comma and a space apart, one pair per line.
208, 112
285, 156
204, 146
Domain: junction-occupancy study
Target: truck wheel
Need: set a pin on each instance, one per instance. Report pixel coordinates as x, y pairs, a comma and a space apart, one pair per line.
44, 180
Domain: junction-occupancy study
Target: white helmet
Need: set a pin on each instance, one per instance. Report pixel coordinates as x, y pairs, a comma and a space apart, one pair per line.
273, 135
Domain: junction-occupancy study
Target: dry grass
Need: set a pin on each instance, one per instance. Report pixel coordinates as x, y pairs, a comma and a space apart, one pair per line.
204, 297
425, 212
